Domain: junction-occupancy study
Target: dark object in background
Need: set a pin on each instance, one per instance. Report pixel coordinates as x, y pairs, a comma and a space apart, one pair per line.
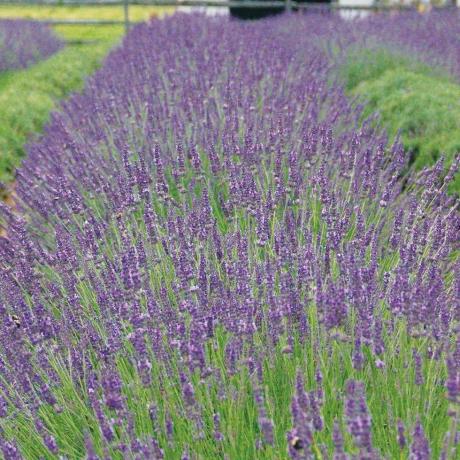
254, 13
258, 12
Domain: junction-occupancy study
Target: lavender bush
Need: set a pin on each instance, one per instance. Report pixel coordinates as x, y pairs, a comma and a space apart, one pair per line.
23, 43
212, 258
432, 38
406, 66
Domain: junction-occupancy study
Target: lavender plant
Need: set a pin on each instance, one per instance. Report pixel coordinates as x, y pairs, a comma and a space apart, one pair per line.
23, 43
211, 258
432, 38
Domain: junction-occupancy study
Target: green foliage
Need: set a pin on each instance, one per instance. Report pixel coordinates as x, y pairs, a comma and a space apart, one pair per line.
88, 34
371, 63
425, 110
27, 97
422, 103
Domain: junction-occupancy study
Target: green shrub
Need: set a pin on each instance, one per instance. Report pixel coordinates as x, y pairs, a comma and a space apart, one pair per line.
371, 63
420, 102
425, 110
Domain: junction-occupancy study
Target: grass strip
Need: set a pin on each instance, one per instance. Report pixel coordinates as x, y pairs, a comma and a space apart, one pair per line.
27, 97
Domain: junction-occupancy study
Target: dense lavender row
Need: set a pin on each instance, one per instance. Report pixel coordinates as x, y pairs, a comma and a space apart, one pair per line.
433, 38
215, 261
23, 43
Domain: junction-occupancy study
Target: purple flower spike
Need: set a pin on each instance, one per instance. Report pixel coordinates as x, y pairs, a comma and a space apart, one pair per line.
339, 453
419, 448
266, 427
358, 418
10, 450
112, 390
401, 435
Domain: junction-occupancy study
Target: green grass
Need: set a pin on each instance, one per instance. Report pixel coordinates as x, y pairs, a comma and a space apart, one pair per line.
27, 97
75, 34
420, 102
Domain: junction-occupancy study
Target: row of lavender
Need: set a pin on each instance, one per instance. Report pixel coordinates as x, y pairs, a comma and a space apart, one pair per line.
215, 260
431, 38
23, 43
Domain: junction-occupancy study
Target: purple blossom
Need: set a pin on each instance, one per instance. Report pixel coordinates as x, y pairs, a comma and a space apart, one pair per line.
218, 436
419, 448
266, 427
418, 368
339, 453
10, 450
453, 374
358, 418
401, 435
112, 386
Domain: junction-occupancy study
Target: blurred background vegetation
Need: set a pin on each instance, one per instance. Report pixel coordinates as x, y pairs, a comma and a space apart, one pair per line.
28, 96
86, 32
420, 102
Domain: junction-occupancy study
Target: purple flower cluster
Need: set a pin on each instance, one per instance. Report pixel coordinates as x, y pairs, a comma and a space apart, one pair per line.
358, 418
22, 43
205, 208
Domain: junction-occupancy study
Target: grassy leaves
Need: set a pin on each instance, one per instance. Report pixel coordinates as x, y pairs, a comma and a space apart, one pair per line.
424, 109
419, 102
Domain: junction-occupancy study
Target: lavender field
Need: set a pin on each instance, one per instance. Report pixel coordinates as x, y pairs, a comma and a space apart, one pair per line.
23, 43
214, 256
